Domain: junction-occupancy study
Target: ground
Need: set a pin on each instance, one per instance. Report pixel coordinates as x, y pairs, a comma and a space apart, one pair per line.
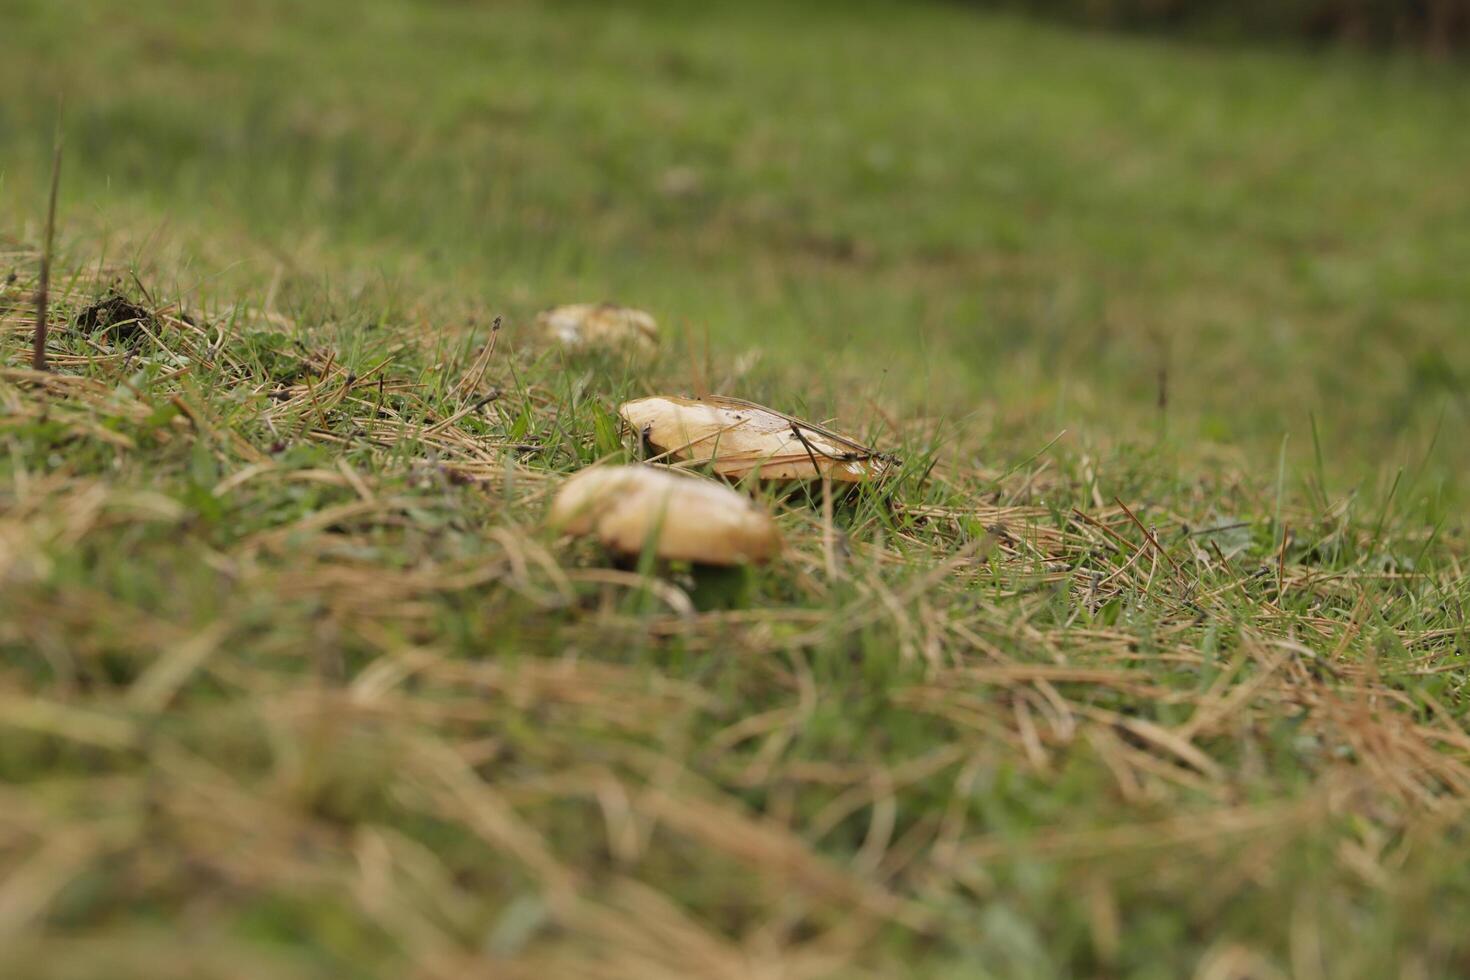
1147, 659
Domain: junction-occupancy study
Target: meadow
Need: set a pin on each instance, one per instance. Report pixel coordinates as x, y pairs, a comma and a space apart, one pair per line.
1148, 659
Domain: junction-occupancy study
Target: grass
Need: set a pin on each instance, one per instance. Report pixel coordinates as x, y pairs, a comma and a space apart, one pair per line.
295, 684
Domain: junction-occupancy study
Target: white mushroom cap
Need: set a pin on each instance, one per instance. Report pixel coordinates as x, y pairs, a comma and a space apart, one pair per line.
738, 438
693, 519
582, 325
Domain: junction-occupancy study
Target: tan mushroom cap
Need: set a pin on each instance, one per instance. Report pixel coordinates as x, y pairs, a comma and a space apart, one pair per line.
738, 438
583, 325
694, 520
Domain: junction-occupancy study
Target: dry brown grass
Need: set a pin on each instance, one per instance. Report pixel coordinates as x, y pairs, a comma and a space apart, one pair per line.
371, 712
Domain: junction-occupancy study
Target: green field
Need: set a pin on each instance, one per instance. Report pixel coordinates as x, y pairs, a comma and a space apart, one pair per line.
1149, 660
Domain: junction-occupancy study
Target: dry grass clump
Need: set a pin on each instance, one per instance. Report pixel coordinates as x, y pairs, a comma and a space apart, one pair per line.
288, 665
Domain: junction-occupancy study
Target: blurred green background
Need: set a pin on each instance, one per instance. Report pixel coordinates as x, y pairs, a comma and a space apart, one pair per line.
1015, 225
1437, 27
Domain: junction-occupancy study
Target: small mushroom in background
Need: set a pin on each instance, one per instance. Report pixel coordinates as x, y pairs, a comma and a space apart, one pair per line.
581, 326
738, 438
686, 518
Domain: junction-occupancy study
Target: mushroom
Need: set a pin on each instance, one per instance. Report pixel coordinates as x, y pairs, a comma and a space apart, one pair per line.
585, 325
686, 518
738, 438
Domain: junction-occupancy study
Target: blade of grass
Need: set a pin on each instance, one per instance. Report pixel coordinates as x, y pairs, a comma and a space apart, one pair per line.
38, 343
